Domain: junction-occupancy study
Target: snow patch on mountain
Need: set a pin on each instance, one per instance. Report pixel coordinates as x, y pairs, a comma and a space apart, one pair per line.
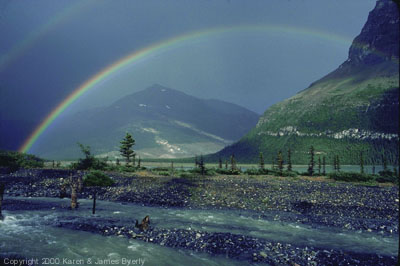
182, 124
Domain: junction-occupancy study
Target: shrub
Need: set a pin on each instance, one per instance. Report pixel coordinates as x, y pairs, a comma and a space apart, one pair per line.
197, 170
185, 175
128, 169
100, 164
284, 173
89, 162
163, 173
254, 171
350, 177
386, 179
210, 171
387, 176
97, 179
228, 172
15, 160
290, 173
161, 169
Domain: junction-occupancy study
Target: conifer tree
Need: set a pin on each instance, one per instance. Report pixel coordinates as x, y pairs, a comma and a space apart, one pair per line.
220, 163
319, 165
334, 164
126, 148
202, 165
279, 160
323, 165
289, 166
385, 168
226, 164
233, 163
273, 163
312, 162
361, 163
261, 163
337, 163
395, 173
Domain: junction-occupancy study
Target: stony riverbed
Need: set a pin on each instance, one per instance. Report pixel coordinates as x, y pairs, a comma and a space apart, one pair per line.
303, 200
300, 200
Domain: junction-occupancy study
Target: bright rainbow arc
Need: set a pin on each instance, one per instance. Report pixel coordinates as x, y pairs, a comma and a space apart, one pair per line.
161, 47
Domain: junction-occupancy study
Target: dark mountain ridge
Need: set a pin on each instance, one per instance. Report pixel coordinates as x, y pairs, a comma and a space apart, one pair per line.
352, 109
215, 116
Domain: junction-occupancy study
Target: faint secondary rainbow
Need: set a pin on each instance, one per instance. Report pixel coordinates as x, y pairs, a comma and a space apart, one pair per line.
19, 48
163, 46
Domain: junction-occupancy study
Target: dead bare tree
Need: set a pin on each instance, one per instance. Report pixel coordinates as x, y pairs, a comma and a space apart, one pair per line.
74, 185
80, 183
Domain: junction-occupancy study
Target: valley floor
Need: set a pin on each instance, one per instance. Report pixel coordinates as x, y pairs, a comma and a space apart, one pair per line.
316, 203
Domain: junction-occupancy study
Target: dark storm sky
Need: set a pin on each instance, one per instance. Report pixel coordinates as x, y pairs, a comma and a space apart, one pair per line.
48, 48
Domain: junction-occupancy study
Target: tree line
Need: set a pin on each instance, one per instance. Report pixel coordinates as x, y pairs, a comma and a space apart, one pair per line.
282, 163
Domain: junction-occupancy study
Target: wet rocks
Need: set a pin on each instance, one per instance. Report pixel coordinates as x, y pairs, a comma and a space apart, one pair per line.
239, 247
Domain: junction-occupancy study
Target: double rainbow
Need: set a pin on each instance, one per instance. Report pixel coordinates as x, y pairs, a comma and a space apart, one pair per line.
160, 47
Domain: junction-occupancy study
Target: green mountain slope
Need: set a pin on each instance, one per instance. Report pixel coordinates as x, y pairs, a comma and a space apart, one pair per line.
353, 109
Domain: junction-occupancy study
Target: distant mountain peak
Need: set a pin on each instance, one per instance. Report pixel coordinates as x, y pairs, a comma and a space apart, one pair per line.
165, 122
158, 87
161, 91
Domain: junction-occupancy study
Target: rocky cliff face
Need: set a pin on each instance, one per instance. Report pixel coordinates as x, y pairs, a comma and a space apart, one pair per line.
352, 109
379, 38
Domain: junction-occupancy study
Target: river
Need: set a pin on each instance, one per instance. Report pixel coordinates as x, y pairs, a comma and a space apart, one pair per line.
32, 234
